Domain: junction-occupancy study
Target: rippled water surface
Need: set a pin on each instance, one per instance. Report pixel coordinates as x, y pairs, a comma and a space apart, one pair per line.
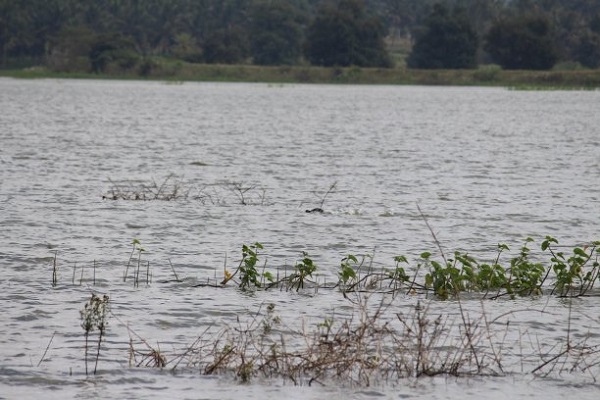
485, 165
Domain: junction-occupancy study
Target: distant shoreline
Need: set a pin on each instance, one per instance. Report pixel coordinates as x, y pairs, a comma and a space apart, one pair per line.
483, 76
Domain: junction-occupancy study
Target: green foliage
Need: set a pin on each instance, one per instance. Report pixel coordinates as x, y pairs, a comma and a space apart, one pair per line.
276, 32
249, 275
226, 46
343, 34
586, 50
464, 273
525, 276
185, 47
347, 273
303, 269
491, 277
399, 274
524, 42
113, 49
447, 41
267, 31
570, 271
488, 73
69, 49
446, 280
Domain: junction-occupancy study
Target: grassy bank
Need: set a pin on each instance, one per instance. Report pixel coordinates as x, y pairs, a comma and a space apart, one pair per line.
483, 76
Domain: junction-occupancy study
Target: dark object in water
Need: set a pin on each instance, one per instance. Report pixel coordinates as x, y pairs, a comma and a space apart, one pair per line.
315, 210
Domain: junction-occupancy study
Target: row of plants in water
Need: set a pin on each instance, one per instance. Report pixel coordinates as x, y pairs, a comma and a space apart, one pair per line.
563, 274
571, 273
381, 343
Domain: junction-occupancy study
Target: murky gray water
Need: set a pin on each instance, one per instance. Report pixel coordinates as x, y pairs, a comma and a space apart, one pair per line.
485, 165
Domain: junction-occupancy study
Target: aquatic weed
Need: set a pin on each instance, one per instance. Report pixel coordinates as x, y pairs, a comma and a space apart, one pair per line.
94, 316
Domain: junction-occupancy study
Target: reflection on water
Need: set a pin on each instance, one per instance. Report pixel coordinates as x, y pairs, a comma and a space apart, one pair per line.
485, 165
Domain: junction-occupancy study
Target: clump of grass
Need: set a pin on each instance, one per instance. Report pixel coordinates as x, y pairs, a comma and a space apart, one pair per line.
94, 316
167, 190
363, 350
373, 346
248, 194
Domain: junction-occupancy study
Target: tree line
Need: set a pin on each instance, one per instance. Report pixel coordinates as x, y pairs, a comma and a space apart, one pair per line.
94, 35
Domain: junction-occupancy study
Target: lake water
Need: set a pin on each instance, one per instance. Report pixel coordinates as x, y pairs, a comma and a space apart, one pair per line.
485, 166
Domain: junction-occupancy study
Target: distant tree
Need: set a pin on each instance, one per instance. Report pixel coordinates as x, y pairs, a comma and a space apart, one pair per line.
522, 42
113, 48
186, 48
448, 40
595, 23
27, 25
343, 34
69, 50
587, 50
276, 29
227, 46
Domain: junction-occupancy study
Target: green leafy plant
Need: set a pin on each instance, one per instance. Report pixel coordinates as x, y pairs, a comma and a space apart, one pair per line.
492, 276
398, 275
445, 279
525, 277
347, 273
571, 271
303, 269
249, 274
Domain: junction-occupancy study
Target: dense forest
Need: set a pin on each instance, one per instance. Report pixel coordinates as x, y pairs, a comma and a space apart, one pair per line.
108, 35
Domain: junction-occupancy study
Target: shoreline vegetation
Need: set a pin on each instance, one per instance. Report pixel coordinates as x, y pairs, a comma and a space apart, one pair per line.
375, 344
488, 75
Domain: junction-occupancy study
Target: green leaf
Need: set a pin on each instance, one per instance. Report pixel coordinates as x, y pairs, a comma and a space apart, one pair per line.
428, 280
400, 259
269, 276
580, 252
